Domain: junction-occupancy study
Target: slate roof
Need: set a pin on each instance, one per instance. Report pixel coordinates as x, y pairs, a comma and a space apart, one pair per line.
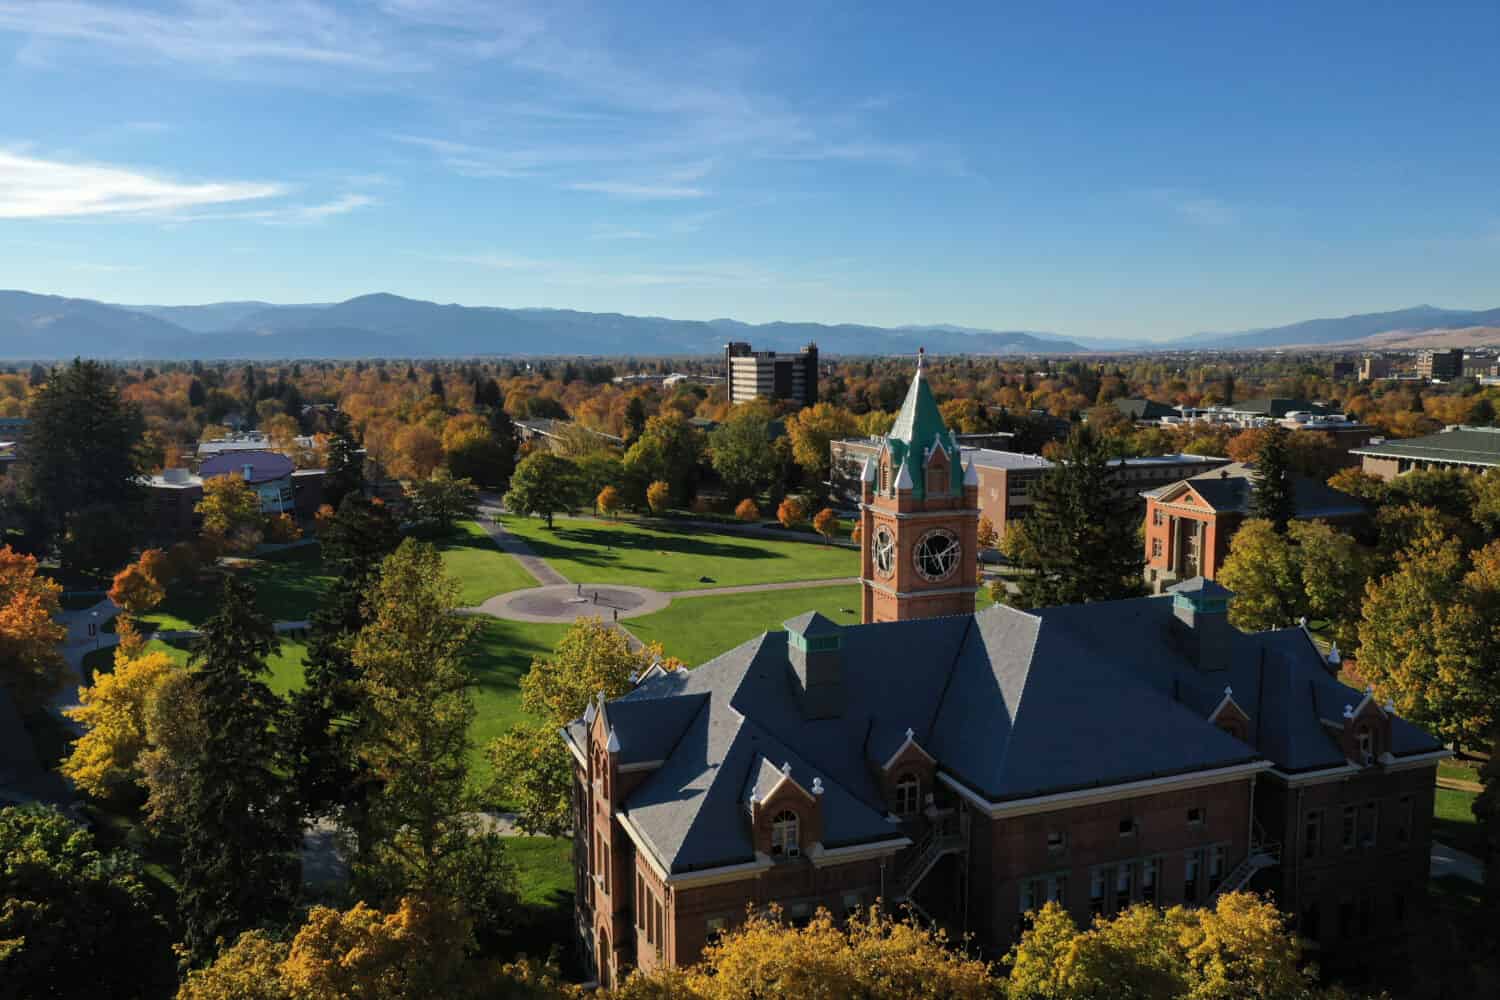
265, 466
1013, 704
1146, 409
1227, 490
1275, 406
1462, 446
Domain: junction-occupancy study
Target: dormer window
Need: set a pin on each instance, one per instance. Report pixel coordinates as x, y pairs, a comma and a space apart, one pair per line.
784, 836
938, 473
908, 795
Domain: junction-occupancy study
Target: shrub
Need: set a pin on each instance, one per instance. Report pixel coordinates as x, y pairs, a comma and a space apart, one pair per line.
791, 512
747, 511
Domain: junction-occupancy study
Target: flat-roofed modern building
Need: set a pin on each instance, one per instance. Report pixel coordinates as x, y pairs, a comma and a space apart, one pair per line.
1476, 448
768, 375
1433, 364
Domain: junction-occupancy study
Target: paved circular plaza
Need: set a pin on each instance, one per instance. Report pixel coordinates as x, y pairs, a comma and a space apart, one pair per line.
569, 601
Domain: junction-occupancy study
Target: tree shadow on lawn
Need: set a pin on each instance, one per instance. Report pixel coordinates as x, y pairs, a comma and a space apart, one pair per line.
677, 544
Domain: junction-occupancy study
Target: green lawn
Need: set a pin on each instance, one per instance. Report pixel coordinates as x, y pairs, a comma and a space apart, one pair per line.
666, 558
503, 652
544, 868
286, 664
696, 629
1459, 770
482, 569
287, 587
1453, 822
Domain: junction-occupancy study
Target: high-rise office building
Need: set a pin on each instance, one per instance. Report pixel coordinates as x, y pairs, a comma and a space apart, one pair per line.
1440, 364
753, 374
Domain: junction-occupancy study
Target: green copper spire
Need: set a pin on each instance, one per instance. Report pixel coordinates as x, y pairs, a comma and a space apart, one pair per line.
918, 429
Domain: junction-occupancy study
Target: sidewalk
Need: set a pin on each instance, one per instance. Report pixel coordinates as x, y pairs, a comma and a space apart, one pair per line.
532, 563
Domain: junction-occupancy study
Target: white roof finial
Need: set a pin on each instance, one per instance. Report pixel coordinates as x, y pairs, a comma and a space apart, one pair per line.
786, 768
1333, 655
1348, 711
910, 733
1228, 691
1302, 622
921, 358
817, 788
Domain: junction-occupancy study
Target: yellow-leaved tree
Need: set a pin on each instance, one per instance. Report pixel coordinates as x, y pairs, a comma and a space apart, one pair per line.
230, 509
30, 664
114, 712
658, 496
870, 956
608, 501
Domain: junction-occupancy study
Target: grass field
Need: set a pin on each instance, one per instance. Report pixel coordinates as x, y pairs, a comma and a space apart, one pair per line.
1453, 822
664, 558
502, 655
287, 587
481, 569
1459, 770
544, 869
286, 664
696, 629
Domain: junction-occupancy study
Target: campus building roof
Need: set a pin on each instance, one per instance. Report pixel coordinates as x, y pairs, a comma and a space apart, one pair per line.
1011, 704
1477, 446
1228, 491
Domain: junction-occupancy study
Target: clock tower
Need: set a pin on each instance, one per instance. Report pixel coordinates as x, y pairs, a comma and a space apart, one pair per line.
919, 517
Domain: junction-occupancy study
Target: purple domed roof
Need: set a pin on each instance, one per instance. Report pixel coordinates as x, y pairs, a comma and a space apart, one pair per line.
253, 466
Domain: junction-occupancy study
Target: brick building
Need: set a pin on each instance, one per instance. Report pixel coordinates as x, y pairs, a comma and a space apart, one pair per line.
173, 494
978, 765
1190, 523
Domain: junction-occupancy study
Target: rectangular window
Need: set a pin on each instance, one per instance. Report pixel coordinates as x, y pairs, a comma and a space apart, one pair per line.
1156, 548
1190, 876
852, 902
1312, 834
661, 939
650, 918
1195, 817
1349, 831
605, 869
1311, 927
1215, 868
1057, 889
1369, 832
1127, 827
1057, 842
1156, 518
1404, 820
1124, 881
1148, 880
1099, 878
640, 899
715, 926
1031, 891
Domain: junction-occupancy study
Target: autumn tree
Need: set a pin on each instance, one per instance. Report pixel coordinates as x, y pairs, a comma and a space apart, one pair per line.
987, 536
826, 523
418, 452
1239, 947
83, 453
1427, 637
544, 484
113, 713
230, 512
239, 825
1265, 574
31, 666
135, 590
608, 501
418, 706
532, 768
748, 511
75, 921
1272, 496
791, 512
668, 450
812, 430
1079, 542
658, 497
442, 499
868, 955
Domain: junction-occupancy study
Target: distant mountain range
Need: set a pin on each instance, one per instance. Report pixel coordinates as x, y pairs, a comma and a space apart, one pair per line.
382, 325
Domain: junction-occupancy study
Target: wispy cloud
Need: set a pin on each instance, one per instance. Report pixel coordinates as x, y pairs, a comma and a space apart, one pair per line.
35, 188
1198, 209
639, 192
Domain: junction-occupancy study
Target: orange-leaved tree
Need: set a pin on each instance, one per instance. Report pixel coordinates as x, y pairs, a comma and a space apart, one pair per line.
826, 523
790, 512
30, 663
608, 501
987, 535
747, 510
135, 590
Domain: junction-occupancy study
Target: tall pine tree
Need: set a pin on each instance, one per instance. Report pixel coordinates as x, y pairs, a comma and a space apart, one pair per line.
327, 713
240, 831
346, 466
1271, 496
1079, 543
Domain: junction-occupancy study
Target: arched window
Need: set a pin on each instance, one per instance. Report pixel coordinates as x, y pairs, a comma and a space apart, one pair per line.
784, 835
908, 795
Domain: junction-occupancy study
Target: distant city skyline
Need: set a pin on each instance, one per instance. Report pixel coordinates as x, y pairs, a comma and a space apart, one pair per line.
1094, 172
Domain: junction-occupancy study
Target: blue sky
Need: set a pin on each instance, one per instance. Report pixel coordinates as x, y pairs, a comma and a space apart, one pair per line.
1097, 169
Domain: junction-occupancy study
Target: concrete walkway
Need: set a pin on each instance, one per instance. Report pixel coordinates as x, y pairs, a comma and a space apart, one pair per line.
532, 563
1459, 786
568, 602
1451, 861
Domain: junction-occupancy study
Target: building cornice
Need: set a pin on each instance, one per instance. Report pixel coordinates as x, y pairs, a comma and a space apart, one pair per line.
823, 857
1417, 760
873, 585
1104, 793
578, 754
921, 515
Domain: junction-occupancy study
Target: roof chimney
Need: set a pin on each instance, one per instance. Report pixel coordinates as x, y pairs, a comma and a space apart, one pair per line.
815, 649
1200, 609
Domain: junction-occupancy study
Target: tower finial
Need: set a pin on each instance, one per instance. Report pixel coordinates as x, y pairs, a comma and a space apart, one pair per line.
921, 358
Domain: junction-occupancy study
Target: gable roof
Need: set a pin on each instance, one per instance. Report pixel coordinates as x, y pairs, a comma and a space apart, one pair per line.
1459, 446
1146, 409
1275, 406
1228, 490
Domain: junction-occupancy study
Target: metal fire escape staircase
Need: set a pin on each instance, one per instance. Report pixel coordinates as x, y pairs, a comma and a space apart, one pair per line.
1263, 854
941, 839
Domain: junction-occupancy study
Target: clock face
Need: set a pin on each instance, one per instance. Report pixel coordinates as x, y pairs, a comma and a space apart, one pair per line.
884, 551
937, 554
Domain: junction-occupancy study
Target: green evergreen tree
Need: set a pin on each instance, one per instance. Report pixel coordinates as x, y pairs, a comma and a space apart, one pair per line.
83, 451
1271, 497
345, 464
635, 419
326, 714
1079, 542
240, 831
